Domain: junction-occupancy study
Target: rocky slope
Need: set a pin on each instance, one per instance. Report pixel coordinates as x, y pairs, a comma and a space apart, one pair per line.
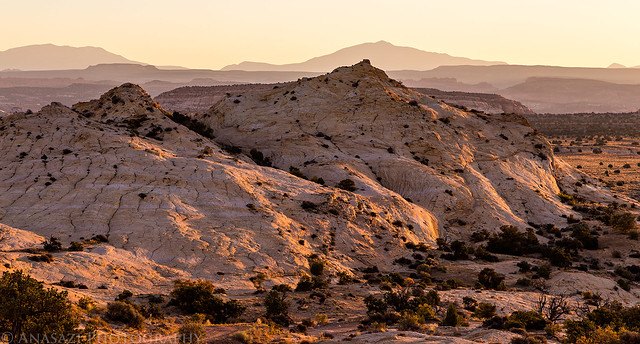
471, 171
173, 204
488, 103
198, 99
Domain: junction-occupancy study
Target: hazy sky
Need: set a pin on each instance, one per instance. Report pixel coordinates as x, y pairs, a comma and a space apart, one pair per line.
212, 33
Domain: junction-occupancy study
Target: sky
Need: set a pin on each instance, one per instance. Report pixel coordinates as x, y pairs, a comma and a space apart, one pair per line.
212, 34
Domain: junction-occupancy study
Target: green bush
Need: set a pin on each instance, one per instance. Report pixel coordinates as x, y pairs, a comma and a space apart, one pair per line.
76, 246
347, 184
513, 242
529, 320
490, 279
582, 233
485, 310
453, 318
544, 271
125, 313
26, 307
52, 245
198, 297
308, 283
316, 267
558, 257
459, 250
612, 317
191, 332
432, 298
277, 308
469, 303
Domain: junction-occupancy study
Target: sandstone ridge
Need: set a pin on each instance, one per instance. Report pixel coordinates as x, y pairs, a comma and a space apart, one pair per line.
176, 203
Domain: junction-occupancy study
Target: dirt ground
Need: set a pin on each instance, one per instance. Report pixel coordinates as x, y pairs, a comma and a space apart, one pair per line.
618, 165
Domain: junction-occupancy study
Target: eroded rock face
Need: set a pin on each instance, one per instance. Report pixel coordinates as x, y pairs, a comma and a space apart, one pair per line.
472, 171
174, 205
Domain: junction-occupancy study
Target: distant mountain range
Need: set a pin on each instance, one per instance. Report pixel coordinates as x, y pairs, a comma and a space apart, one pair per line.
382, 54
49, 56
35, 75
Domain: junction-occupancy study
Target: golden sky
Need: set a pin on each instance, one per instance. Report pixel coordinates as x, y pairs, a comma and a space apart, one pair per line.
212, 33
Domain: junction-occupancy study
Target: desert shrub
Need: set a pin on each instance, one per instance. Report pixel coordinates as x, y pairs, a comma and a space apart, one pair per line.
375, 305
277, 308
198, 297
432, 298
316, 267
410, 322
529, 340
490, 279
624, 284
192, 124
452, 317
513, 242
125, 295
347, 184
485, 310
524, 282
543, 271
459, 250
414, 309
52, 245
259, 158
479, 236
307, 205
29, 308
76, 246
321, 318
282, 288
296, 172
469, 303
308, 283
345, 278
558, 257
125, 313
582, 233
524, 266
565, 198
623, 222
529, 320
482, 254
86, 303
191, 332
46, 258
552, 329
257, 281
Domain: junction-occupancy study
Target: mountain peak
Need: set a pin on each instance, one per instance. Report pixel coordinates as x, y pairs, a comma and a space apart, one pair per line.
127, 92
122, 102
54, 57
383, 54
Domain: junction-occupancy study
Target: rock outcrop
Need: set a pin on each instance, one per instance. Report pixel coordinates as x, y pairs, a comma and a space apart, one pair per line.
173, 204
472, 171
399, 167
